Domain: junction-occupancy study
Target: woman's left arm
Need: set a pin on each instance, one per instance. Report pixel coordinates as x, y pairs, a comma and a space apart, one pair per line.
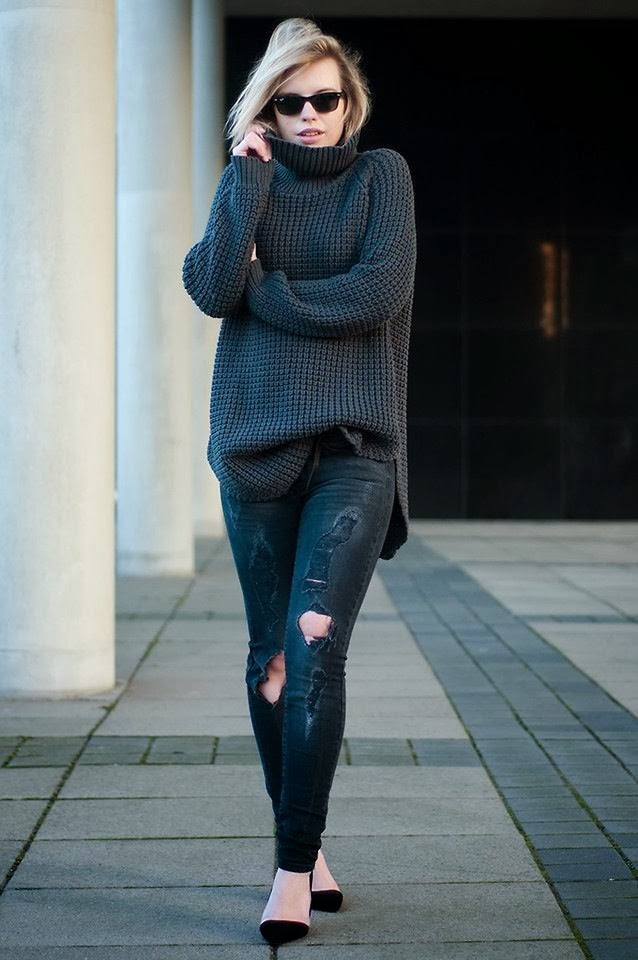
374, 289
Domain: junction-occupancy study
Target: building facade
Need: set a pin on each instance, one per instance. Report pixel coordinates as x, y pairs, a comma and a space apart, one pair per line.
515, 121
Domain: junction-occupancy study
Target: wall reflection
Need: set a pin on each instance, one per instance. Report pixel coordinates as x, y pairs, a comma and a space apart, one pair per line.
555, 282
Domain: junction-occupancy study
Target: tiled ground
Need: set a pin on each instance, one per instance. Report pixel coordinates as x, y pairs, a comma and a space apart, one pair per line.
561, 750
487, 781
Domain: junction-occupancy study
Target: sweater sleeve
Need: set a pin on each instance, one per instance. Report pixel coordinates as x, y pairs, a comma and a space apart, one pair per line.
215, 269
374, 289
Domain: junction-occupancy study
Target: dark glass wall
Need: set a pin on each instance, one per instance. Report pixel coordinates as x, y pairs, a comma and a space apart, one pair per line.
523, 382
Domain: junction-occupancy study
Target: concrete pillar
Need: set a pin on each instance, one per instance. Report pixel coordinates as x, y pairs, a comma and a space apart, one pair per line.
57, 210
209, 159
154, 449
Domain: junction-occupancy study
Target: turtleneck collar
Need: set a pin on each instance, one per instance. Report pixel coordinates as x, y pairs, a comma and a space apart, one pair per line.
313, 161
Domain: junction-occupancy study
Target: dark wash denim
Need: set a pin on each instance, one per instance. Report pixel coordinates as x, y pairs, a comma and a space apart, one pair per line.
313, 549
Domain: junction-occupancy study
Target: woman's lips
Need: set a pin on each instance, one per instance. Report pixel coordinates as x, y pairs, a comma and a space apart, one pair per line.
310, 135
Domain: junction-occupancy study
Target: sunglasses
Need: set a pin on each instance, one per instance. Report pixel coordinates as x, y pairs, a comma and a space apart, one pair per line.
291, 104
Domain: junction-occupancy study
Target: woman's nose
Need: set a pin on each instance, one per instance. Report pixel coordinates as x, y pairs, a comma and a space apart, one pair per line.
308, 112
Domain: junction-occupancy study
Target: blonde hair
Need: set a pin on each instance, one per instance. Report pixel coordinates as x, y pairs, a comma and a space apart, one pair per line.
295, 43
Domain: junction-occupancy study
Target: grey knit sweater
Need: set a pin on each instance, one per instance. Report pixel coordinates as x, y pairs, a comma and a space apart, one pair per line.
315, 331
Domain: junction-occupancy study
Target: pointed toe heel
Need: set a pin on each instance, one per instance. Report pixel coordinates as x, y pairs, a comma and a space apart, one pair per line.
328, 901
276, 932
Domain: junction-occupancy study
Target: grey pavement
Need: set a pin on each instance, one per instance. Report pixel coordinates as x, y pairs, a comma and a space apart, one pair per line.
485, 806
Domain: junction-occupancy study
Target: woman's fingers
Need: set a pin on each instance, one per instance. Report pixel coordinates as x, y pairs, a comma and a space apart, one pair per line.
254, 144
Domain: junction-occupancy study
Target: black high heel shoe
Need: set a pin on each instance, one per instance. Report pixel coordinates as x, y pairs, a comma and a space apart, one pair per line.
276, 932
329, 901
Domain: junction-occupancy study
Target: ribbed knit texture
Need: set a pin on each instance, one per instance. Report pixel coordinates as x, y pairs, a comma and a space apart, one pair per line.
315, 331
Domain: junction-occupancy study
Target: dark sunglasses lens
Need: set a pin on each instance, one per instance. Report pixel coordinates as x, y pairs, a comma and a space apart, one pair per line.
290, 105
325, 102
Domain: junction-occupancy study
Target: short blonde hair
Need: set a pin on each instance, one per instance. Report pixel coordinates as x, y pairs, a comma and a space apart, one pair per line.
295, 43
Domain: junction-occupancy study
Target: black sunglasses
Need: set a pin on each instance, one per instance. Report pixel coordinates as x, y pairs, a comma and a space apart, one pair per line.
291, 104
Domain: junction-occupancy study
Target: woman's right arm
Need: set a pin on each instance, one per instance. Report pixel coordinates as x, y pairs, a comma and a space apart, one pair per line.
215, 269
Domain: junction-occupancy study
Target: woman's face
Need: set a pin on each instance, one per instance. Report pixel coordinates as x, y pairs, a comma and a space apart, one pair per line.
310, 127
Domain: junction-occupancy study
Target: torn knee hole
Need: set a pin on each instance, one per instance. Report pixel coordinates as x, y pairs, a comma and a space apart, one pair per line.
314, 626
276, 664
271, 687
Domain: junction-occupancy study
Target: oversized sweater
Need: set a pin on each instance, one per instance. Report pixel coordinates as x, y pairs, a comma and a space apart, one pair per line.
315, 331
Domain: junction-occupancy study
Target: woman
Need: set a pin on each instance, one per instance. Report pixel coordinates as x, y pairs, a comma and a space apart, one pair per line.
309, 256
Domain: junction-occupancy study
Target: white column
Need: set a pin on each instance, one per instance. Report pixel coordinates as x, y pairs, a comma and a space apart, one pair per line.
57, 235
209, 158
154, 458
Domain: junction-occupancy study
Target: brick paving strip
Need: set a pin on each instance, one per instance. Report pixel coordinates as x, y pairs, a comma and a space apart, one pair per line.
561, 752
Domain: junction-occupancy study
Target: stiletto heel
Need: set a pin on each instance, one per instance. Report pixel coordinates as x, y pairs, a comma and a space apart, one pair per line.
276, 932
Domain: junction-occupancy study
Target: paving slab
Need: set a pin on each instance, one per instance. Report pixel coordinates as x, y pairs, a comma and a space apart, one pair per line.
505, 950
443, 912
374, 817
598, 890
57, 864
381, 752
19, 817
390, 708
156, 686
450, 752
47, 751
539, 809
181, 750
445, 727
555, 790
185, 817
589, 871
625, 949
426, 859
164, 781
581, 909
413, 783
563, 829
166, 718
605, 652
29, 783
393, 672
372, 688
432, 913
570, 842
242, 951
52, 718
219, 659
150, 597
177, 915
104, 749
608, 928
215, 631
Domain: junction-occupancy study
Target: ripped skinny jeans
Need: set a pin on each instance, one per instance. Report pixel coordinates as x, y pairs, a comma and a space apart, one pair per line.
312, 550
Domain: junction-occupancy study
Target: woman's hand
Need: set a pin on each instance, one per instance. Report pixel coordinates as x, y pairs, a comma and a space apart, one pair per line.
254, 144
